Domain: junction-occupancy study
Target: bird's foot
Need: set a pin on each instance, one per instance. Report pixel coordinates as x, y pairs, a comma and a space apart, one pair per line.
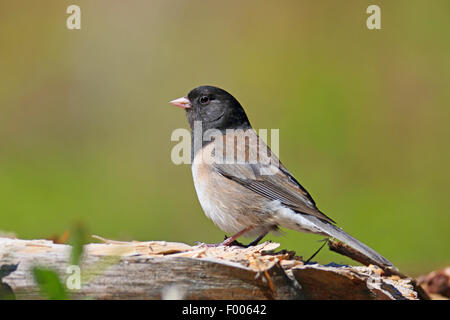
235, 243
227, 242
231, 241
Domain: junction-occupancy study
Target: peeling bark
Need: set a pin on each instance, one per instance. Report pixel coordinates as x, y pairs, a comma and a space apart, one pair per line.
159, 269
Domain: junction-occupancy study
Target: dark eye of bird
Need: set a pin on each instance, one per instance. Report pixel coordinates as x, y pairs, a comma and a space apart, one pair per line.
203, 100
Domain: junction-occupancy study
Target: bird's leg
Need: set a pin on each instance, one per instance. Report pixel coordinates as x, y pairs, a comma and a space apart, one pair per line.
257, 240
230, 240
251, 244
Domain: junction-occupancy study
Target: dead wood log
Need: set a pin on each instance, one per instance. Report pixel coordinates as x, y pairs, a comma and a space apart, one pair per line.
158, 269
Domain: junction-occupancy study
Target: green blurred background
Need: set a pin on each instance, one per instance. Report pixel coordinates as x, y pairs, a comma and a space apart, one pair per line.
363, 115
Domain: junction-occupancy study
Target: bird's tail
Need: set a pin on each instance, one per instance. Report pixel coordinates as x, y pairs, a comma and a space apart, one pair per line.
341, 235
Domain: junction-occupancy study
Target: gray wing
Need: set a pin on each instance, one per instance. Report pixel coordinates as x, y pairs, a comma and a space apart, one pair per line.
280, 185
266, 176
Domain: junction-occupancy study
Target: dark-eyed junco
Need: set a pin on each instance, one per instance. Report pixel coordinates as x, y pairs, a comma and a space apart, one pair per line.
248, 192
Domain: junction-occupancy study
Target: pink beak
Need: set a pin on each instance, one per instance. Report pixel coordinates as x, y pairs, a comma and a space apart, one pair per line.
182, 103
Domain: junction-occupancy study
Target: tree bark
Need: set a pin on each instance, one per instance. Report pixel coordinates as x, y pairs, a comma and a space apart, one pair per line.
167, 270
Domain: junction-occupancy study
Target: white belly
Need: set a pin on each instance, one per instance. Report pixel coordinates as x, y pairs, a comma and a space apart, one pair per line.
220, 199
212, 206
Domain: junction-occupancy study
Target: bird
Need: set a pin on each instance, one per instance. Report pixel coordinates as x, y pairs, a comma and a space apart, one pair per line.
241, 184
